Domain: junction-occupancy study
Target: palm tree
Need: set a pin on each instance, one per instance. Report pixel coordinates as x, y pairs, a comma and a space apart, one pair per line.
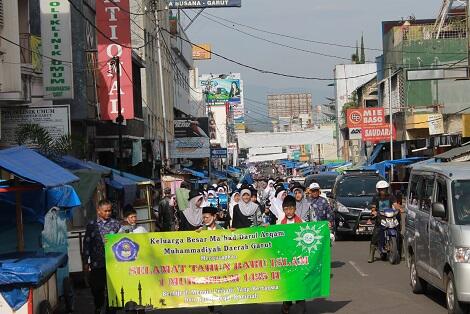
38, 137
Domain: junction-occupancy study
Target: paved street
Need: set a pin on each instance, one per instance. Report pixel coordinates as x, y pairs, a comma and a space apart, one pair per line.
356, 287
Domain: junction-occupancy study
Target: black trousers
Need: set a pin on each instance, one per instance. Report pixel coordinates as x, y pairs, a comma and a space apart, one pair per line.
98, 287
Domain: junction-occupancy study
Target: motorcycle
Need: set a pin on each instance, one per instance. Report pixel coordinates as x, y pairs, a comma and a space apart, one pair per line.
389, 224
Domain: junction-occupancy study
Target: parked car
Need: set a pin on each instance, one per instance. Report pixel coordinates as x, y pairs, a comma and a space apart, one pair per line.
326, 180
351, 197
437, 234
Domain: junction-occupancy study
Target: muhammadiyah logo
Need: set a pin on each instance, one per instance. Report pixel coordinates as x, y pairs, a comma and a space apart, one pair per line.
309, 238
125, 250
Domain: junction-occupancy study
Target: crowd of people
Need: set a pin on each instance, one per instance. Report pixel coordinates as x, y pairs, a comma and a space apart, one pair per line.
215, 207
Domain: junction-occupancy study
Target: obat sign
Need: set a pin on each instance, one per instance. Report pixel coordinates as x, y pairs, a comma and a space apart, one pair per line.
364, 117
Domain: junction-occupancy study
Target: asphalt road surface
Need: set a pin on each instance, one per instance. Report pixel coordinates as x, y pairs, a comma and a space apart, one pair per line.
356, 287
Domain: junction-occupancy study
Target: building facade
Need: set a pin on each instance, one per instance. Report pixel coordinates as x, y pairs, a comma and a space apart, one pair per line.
290, 112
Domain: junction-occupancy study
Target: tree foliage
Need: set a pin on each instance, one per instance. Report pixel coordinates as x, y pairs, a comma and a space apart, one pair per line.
38, 137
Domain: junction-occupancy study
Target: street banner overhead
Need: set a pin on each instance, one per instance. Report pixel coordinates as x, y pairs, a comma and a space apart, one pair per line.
190, 269
191, 138
56, 49
270, 139
202, 52
203, 4
55, 119
113, 20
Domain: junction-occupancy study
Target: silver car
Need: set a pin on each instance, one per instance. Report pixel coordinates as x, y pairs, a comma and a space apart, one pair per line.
437, 235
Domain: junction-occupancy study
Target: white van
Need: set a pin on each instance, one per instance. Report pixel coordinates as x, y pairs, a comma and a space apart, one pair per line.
437, 235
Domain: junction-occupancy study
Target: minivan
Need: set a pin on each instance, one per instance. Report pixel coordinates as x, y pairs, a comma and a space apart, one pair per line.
437, 234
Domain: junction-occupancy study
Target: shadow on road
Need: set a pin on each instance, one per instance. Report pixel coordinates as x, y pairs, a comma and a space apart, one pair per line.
436, 295
325, 306
337, 264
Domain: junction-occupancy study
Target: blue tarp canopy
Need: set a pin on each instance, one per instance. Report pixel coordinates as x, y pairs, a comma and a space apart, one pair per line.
383, 166
234, 170
19, 271
33, 167
195, 173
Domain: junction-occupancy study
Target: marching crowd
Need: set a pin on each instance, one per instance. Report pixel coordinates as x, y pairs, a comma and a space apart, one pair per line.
267, 203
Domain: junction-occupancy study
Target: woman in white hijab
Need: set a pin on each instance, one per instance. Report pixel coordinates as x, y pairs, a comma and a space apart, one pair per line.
191, 217
246, 213
276, 203
269, 191
234, 200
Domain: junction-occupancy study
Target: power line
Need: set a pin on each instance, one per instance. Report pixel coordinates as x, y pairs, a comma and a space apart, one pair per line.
263, 70
276, 43
314, 41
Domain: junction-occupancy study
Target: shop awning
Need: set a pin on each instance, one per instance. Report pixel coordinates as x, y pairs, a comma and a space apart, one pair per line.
33, 167
456, 154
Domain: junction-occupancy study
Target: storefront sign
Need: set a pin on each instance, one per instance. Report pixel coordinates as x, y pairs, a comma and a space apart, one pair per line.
218, 152
377, 133
55, 119
202, 52
435, 124
192, 4
355, 133
114, 21
365, 117
56, 49
191, 138
190, 269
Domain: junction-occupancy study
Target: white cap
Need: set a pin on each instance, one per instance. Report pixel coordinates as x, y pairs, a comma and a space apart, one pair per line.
314, 186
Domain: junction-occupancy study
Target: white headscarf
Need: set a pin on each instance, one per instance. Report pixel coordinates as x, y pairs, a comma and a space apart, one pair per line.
276, 205
193, 213
269, 190
232, 203
247, 209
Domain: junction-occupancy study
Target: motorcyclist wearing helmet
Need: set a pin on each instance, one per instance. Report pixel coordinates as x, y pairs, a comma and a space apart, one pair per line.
383, 200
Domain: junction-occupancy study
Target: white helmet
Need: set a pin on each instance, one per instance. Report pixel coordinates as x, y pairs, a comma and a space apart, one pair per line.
382, 185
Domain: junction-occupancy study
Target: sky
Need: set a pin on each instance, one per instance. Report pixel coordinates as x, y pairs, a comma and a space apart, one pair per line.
340, 21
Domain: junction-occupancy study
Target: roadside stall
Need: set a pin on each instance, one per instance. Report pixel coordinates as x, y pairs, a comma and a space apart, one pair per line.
33, 194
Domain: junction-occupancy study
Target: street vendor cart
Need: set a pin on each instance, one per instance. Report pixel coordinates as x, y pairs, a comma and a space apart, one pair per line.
34, 274
29, 284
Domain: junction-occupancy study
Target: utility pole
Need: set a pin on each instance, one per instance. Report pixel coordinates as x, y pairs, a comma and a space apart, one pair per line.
162, 93
391, 114
119, 119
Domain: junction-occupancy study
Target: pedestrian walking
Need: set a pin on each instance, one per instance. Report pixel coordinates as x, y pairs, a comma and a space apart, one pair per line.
289, 207
320, 209
246, 213
166, 211
302, 204
93, 252
209, 218
191, 217
130, 222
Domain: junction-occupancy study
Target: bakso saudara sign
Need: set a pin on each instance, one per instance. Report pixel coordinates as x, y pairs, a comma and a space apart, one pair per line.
191, 4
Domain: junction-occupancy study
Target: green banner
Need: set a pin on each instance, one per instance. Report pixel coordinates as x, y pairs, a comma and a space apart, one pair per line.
189, 269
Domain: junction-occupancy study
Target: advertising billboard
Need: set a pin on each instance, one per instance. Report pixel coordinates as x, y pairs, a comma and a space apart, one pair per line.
55, 119
114, 22
203, 4
56, 49
219, 90
202, 52
191, 138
